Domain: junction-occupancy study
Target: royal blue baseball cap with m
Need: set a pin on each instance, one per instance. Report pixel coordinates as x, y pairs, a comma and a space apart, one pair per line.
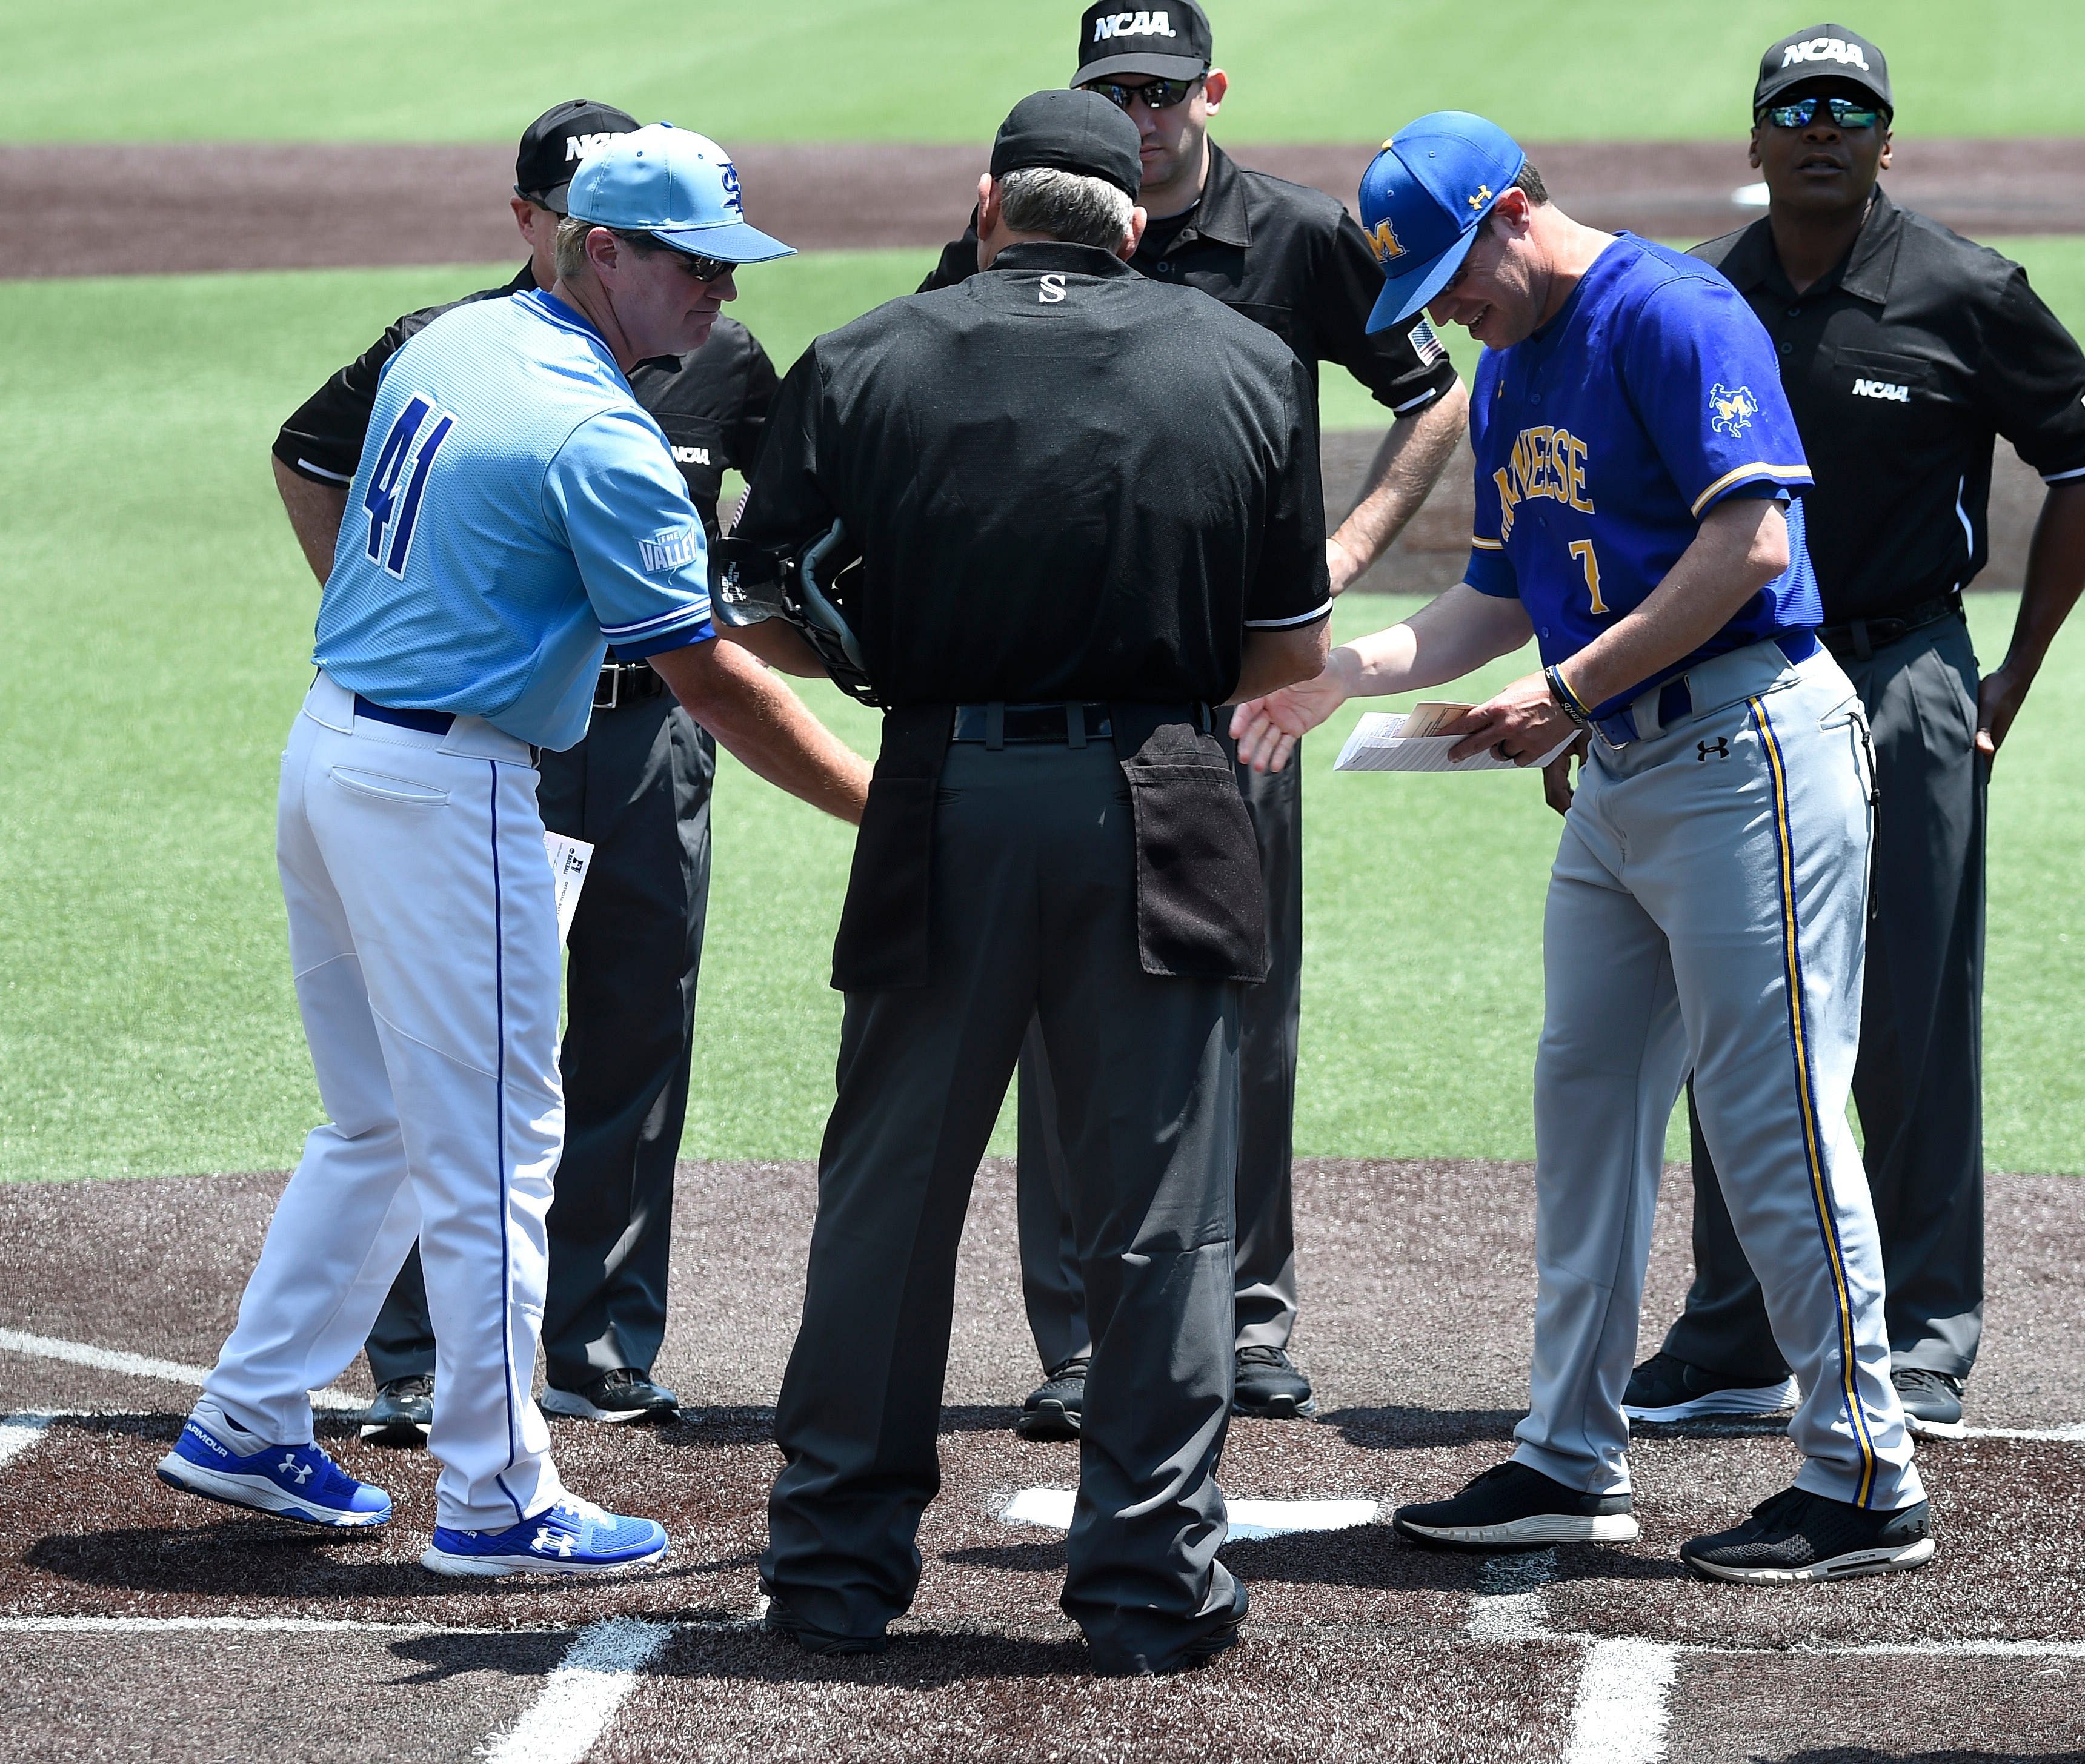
1424, 197
675, 185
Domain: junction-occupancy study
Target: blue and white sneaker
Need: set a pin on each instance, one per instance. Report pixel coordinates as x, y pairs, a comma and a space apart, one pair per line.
220, 1461
569, 1536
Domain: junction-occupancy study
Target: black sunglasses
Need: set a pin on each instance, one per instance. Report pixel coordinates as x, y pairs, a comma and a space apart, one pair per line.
1155, 94
698, 268
1846, 112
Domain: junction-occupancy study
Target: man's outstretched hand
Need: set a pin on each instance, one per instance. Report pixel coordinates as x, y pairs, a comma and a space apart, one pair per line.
1267, 729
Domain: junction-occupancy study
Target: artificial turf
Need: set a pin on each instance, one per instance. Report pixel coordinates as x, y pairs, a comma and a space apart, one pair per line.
159, 621
892, 69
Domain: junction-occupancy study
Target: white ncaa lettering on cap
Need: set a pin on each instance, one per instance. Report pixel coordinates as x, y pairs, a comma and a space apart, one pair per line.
1130, 24
578, 146
1825, 49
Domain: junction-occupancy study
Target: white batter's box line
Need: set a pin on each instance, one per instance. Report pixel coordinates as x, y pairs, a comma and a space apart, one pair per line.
168, 1371
580, 1698
18, 1433
1623, 1704
1510, 1605
1051, 1508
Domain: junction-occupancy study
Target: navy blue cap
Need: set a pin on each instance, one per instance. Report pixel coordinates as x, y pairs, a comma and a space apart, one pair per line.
1424, 197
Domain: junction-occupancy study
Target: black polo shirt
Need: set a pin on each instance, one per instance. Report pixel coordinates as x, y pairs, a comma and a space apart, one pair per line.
712, 402
1291, 260
1066, 481
1901, 365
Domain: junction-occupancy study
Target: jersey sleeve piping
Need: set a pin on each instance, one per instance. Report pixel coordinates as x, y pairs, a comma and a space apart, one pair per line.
1487, 544
1795, 476
1321, 611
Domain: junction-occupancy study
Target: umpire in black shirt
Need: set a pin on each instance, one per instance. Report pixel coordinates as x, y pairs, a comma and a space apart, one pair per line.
1905, 350
638, 789
1291, 259
1088, 508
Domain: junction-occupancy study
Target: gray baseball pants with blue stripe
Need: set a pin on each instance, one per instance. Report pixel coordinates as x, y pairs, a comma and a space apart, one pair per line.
1706, 914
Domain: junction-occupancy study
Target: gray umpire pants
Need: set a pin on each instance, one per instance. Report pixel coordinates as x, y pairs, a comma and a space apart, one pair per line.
1034, 919
637, 789
1706, 913
1264, 1303
1918, 1082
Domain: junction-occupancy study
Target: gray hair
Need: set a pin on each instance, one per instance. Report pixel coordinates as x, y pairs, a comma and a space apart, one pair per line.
571, 243
1065, 205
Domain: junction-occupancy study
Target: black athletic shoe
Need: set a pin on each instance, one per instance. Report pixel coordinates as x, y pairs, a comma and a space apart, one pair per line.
1056, 1408
1109, 1664
1667, 1389
1932, 1402
625, 1394
1800, 1536
1270, 1386
402, 1413
1512, 1508
777, 1619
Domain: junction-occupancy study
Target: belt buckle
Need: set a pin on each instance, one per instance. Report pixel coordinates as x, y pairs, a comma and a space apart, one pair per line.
611, 677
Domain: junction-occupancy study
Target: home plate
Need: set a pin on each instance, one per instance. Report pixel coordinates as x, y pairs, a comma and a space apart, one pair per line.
1052, 1508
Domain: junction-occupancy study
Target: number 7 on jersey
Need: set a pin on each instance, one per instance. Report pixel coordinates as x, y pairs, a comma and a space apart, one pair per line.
1582, 550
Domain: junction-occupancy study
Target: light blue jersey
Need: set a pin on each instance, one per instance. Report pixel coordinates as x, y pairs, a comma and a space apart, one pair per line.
514, 512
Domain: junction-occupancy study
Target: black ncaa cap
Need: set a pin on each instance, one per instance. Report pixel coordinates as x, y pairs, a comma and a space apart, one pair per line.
1171, 42
1073, 131
554, 143
1823, 52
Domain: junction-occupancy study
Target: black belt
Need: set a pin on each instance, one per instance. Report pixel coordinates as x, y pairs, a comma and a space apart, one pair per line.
1860, 638
1001, 725
432, 722
622, 683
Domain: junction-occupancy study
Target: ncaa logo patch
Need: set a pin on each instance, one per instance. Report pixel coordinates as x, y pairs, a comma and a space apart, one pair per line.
1731, 409
664, 553
1825, 49
1151, 23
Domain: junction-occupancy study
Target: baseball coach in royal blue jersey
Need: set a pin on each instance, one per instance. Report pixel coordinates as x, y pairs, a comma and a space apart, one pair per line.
1638, 513
514, 512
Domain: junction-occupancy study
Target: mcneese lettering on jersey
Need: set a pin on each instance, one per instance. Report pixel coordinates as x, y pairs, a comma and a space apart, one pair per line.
1130, 24
1544, 463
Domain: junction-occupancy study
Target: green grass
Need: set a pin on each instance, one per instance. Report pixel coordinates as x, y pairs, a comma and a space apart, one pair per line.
159, 619
894, 70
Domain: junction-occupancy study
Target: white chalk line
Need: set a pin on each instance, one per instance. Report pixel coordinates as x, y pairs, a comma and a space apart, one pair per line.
1623, 1704
18, 1433
581, 1696
1510, 1605
168, 1371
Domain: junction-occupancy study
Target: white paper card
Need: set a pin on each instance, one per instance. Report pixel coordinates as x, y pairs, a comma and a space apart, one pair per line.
569, 858
1379, 744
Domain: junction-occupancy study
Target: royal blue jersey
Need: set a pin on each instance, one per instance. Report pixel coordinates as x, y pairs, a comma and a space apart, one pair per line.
1602, 439
514, 512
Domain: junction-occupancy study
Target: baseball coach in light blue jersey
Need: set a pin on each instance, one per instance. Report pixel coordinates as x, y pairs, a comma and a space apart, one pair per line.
514, 512
1638, 497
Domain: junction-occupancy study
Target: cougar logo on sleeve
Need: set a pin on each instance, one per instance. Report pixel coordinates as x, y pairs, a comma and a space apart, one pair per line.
1732, 408
1111, 24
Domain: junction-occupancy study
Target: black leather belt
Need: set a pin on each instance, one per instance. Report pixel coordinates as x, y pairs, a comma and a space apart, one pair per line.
622, 683
1860, 638
432, 722
1003, 725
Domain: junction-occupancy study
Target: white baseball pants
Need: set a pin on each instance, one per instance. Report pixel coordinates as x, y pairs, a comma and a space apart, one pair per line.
424, 938
1707, 913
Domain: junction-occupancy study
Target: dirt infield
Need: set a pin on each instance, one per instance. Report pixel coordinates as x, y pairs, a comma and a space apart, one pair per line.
153, 209
1417, 1284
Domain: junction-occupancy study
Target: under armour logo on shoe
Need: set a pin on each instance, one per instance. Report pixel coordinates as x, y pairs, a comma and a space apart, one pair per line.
552, 1543
289, 1464
1720, 748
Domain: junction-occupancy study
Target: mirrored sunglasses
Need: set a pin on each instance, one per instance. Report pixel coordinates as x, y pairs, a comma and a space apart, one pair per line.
1846, 112
1155, 94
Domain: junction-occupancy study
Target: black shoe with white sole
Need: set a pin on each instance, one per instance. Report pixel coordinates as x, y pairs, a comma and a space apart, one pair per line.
1513, 1508
1932, 1402
1666, 1388
1269, 1386
625, 1394
1800, 1536
402, 1413
1056, 1408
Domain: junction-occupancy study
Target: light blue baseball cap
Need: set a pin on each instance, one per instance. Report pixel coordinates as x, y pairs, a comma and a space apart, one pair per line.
1423, 198
679, 186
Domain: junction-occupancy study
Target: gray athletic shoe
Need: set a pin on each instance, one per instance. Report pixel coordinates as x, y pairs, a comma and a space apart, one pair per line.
1800, 1536
1055, 1409
1665, 1388
625, 1394
1269, 1386
1932, 1402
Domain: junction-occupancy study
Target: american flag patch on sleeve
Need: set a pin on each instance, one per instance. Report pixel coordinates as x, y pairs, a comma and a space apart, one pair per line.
1426, 345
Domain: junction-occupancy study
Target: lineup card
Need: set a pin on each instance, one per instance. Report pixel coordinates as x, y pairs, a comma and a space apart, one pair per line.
569, 858
1390, 741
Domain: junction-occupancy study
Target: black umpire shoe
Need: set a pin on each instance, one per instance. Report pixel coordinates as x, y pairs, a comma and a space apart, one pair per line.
1667, 1389
1056, 1408
1932, 1402
1512, 1508
777, 1619
1269, 1386
402, 1413
1800, 1536
625, 1394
